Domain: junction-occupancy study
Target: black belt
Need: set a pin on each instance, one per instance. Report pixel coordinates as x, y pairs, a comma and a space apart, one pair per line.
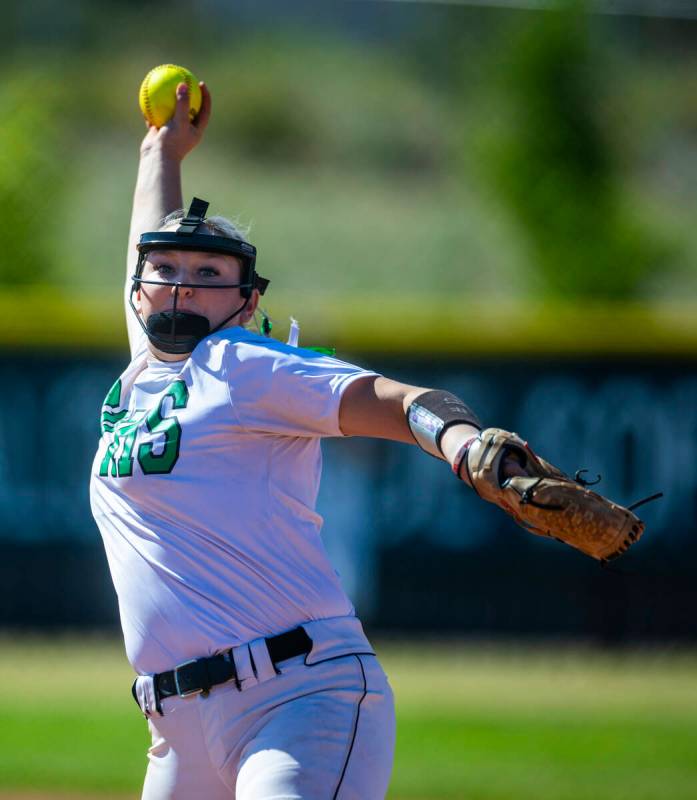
200, 674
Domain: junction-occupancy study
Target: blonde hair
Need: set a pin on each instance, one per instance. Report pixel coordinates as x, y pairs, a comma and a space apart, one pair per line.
217, 225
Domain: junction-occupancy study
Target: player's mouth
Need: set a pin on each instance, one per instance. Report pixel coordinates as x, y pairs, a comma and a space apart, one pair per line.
182, 307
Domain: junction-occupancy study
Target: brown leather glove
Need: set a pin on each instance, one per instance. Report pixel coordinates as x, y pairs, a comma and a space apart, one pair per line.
546, 501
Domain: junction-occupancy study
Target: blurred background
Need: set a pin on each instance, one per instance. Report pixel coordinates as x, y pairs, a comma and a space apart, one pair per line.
496, 198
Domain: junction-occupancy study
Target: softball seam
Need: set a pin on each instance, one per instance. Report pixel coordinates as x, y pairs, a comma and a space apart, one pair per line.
145, 90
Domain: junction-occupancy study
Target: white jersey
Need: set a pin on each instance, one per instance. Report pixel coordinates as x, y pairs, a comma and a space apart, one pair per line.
204, 489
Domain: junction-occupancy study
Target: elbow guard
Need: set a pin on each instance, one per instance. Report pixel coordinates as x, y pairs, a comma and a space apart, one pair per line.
432, 413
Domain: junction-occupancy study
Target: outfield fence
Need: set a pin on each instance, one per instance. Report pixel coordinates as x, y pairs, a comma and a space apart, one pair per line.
415, 549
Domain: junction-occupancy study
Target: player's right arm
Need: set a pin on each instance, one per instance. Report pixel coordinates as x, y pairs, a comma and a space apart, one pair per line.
158, 189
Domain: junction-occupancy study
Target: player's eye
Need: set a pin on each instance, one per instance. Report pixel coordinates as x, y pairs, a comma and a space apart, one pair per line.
163, 269
208, 272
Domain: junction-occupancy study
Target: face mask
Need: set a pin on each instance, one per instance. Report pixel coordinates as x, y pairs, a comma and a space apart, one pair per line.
176, 332
179, 332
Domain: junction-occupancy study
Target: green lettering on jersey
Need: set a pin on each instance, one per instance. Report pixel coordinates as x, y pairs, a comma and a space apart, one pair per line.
112, 401
169, 427
118, 457
121, 445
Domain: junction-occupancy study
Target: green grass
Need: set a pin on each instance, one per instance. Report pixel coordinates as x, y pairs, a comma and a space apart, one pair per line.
407, 270
403, 262
69, 722
377, 226
475, 722
572, 724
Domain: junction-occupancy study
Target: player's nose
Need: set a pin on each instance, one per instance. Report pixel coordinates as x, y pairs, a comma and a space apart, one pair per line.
182, 291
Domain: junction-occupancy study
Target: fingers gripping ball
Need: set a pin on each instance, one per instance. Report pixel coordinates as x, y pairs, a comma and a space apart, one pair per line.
158, 93
546, 501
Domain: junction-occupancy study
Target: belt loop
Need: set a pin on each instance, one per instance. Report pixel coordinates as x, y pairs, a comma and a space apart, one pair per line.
244, 666
264, 667
147, 695
228, 656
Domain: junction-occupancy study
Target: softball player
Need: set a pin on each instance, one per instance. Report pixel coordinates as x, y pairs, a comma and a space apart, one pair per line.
254, 673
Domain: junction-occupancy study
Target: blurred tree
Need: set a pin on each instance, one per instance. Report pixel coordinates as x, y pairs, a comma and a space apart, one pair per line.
267, 118
33, 154
554, 168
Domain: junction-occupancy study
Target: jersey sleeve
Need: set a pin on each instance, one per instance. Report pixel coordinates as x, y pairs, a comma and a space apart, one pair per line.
285, 390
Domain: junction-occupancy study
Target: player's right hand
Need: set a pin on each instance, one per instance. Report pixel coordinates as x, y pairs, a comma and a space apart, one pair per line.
179, 136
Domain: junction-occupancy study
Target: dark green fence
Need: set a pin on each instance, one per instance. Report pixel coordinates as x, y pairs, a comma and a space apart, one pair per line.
416, 549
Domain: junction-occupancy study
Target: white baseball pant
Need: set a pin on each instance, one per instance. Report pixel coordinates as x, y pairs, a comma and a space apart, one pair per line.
313, 731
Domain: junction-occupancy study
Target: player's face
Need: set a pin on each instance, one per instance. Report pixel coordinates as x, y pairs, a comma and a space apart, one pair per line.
209, 269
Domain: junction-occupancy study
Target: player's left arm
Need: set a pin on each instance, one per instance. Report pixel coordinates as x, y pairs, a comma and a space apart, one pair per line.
378, 407
499, 465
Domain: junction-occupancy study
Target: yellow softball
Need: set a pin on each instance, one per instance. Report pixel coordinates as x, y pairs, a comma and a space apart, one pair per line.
158, 93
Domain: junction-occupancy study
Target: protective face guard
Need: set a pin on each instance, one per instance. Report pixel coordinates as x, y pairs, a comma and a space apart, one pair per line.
176, 331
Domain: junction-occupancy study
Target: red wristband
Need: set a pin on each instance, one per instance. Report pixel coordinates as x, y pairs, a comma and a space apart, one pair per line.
460, 456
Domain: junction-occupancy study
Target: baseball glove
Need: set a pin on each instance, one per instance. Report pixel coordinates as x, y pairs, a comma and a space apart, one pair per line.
546, 501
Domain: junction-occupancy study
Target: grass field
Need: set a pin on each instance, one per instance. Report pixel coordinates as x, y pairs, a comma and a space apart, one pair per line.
475, 722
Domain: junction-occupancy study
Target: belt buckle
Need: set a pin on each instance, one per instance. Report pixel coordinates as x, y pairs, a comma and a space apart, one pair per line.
187, 692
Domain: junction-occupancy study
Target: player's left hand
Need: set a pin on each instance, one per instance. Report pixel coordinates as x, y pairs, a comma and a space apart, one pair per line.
177, 137
504, 470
